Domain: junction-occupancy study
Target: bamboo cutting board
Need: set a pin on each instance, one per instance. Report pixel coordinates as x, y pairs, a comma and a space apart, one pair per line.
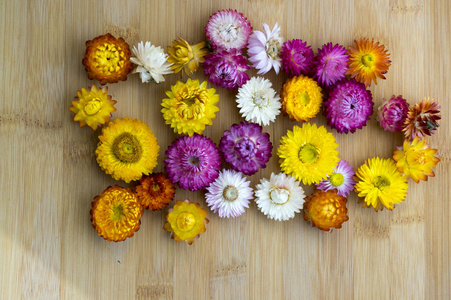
49, 175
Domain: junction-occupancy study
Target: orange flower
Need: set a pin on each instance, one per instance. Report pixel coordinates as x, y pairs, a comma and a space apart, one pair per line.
116, 213
367, 61
155, 191
325, 210
107, 59
422, 119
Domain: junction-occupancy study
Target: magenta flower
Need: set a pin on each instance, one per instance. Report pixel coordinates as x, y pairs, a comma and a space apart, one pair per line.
226, 69
297, 58
228, 29
340, 180
331, 64
193, 162
245, 147
349, 106
393, 113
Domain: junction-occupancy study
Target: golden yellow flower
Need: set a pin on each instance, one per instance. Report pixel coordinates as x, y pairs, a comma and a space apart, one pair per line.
416, 160
107, 59
190, 107
186, 221
367, 61
308, 153
301, 98
93, 106
185, 57
116, 213
155, 191
379, 182
127, 149
325, 210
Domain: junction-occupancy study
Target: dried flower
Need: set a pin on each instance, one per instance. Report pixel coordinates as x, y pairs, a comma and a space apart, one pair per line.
422, 119
331, 64
151, 62
340, 180
393, 113
297, 58
155, 191
186, 57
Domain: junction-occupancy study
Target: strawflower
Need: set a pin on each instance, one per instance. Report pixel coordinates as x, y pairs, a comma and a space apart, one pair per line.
280, 197
340, 180
155, 191
151, 62
380, 183
229, 194
308, 153
185, 57
393, 113
193, 162
264, 49
107, 59
127, 149
228, 29
245, 147
258, 101
186, 221
415, 159
301, 98
116, 213
331, 64
190, 107
93, 106
297, 58
226, 69
422, 119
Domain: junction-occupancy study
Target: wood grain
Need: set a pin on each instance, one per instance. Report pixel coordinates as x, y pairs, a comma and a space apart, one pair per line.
48, 172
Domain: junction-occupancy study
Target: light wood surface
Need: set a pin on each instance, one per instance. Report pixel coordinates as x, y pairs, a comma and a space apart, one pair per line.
49, 174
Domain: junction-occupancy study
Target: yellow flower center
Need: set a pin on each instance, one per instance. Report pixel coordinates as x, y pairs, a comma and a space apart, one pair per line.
93, 106
186, 221
109, 58
192, 103
381, 182
155, 187
368, 60
336, 179
126, 147
118, 212
184, 54
309, 154
279, 196
259, 100
273, 48
302, 98
230, 193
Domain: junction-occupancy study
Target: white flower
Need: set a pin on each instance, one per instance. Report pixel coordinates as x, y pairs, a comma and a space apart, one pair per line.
151, 62
258, 101
264, 50
229, 194
280, 197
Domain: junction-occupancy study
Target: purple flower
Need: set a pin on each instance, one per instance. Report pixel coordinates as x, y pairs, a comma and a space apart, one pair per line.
331, 64
393, 113
228, 29
245, 147
297, 58
341, 180
226, 69
349, 106
194, 162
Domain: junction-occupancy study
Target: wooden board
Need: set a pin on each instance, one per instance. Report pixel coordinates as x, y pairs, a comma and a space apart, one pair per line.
48, 172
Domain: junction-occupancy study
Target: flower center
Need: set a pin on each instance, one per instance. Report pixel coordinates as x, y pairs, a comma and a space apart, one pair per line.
368, 60
336, 179
93, 106
126, 147
259, 100
193, 161
381, 182
230, 193
186, 221
279, 196
309, 154
192, 103
184, 54
155, 187
118, 212
228, 32
109, 58
302, 98
246, 148
273, 48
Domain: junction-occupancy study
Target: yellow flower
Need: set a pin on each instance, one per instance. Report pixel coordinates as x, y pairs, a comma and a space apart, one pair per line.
379, 182
116, 213
107, 59
127, 149
308, 153
186, 221
416, 159
92, 106
190, 107
301, 98
367, 61
155, 191
185, 57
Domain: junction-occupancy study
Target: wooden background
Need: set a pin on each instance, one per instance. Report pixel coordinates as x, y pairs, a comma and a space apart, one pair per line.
48, 172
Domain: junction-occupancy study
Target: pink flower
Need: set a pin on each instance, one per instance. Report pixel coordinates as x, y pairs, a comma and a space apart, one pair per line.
297, 58
393, 113
331, 64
